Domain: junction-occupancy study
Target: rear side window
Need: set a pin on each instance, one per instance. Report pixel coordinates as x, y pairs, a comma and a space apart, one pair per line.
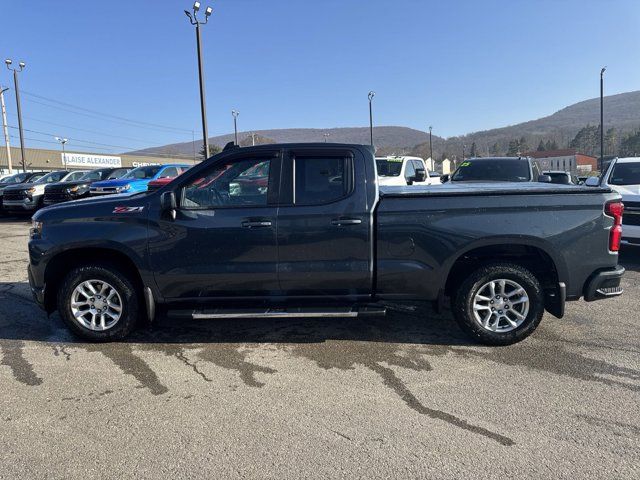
320, 180
118, 173
170, 172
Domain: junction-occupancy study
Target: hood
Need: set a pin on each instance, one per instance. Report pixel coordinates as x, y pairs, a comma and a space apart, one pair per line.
58, 185
18, 186
627, 190
390, 180
91, 207
119, 182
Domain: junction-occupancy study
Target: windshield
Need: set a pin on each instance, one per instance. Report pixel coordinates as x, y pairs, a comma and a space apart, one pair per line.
94, 175
389, 167
496, 170
17, 178
52, 177
9, 179
143, 173
626, 174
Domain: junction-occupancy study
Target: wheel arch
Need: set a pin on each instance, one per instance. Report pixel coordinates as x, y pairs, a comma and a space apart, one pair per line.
65, 261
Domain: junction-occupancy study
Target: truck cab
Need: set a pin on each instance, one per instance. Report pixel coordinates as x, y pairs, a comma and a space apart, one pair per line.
402, 170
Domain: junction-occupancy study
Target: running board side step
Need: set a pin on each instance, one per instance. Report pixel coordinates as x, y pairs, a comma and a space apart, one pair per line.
303, 312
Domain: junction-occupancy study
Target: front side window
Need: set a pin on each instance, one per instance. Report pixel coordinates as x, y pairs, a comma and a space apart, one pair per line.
409, 171
625, 174
234, 184
321, 180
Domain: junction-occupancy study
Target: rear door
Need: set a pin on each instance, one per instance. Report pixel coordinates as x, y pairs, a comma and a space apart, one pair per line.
324, 224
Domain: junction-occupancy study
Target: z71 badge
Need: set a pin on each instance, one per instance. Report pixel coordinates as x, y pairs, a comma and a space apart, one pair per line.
128, 209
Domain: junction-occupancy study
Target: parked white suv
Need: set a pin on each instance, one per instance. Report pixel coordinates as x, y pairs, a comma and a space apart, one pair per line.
623, 176
393, 170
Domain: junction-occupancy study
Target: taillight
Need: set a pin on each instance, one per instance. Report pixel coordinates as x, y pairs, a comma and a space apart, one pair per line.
615, 210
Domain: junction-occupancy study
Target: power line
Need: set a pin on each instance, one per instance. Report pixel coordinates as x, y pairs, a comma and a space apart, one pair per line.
106, 150
79, 140
33, 119
95, 112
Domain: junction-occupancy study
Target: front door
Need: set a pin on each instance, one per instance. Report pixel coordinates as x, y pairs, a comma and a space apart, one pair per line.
324, 227
222, 242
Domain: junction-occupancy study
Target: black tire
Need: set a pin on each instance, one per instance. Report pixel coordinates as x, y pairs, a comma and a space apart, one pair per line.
462, 303
129, 314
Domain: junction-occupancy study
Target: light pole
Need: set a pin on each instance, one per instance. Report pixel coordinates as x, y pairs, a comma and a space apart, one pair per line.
370, 96
325, 135
431, 146
601, 162
15, 70
62, 142
235, 114
193, 18
5, 129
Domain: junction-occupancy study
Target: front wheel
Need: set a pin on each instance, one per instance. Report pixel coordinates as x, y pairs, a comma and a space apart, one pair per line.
499, 304
98, 303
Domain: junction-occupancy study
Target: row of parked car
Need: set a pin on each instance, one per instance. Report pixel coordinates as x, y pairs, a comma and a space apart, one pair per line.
29, 191
405, 170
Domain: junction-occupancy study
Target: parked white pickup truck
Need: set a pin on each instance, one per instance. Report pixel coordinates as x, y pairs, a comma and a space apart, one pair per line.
396, 170
623, 176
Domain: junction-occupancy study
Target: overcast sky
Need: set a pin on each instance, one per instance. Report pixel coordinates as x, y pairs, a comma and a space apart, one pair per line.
460, 66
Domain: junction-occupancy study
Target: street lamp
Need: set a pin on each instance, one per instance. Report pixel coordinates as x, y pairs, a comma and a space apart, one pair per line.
325, 135
193, 18
601, 163
235, 114
62, 142
431, 146
370, 96
15, 70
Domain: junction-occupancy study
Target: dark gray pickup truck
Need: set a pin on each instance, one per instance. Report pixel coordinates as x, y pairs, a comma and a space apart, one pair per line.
303, 230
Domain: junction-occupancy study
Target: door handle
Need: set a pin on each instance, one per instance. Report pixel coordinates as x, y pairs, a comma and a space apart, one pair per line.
343, 222
256, 223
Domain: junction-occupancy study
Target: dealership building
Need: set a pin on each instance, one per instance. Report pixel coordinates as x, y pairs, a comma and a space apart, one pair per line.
49, 160
567, 160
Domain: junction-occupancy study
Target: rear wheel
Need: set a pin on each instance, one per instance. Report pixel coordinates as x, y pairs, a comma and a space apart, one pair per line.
98, 303
499, 304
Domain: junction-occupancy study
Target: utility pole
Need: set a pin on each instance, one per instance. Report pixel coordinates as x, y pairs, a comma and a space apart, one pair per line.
62, 142
6, 129
601, 162
253, 139
203, 104
370, 96
8, 62
431, 146
235, 114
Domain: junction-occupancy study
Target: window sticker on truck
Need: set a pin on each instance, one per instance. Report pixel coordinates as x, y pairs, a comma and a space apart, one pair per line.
465, 164
128, 209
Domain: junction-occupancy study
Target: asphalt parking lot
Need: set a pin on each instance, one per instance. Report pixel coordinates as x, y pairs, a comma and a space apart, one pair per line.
402, 396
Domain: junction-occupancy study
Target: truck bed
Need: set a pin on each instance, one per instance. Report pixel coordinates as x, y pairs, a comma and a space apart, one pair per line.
488, 188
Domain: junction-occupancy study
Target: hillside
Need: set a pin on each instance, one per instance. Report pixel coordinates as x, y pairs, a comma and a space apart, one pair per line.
392, 138
622, 113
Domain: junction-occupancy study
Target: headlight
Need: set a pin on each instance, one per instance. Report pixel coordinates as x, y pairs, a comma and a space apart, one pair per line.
31, 190
124, 188
36, 229
78, 188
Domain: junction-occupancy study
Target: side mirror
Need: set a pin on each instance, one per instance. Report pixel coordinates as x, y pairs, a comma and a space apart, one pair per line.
444, 178
168, 204
592, 182
544, 179
421, 175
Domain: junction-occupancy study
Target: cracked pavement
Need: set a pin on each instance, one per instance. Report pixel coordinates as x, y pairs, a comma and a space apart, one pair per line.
403, 396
